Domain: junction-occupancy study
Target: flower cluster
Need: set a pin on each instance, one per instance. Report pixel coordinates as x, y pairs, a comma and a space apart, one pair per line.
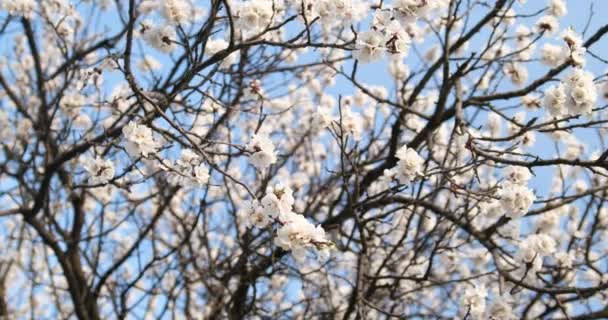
551, 55
176, 11
517, 175
338, 12
140, 141
392, 29
277, 203
100, 170
575, 50
535, 247
161, 38
298, 234
253, 16
576, 95
515, 197
295, 233
262, 151
23, 8
581, 92
387, 35
409, 166
474, 300
188, 170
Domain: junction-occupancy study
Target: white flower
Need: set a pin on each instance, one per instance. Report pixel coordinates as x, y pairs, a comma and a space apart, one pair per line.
505, 16
522, 34
276, 204
263, 153
549, 220
278, 201
72, 103
406, 11
547, 24
253, 16
409, 166
494, 122
161, 38
564, 260
517, 175
82, 121
322, 118
23, 8
557, 8
517, 72
544, 244
352, 123
555, 100
531, 101
255, 214
370, 46
528, 139
502, 308
398, 40
551, 55
176, 11
580, 186
474, 300
516, 122
515, 199
254, 90
297, 234
99, 170
526, 252
536, 245
577, 55
188, 170
581, 92
147, 7
271, 204
572, 39
200, 174
139, 139
381, 19
398, 69
336, 12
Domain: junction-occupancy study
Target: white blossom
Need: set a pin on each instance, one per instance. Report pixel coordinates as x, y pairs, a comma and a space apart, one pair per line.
176, 11
474, 300
297, 234
100, 170
255, 214
278, 201
515, 199
517, 175
552, 55
409, 166
139, 140
262, 151
189, 170
555, 100
161, 38
557, 8
370, 46
547, 24
23, 8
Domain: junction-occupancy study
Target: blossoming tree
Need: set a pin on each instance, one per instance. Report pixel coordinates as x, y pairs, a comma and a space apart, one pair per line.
307, 159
